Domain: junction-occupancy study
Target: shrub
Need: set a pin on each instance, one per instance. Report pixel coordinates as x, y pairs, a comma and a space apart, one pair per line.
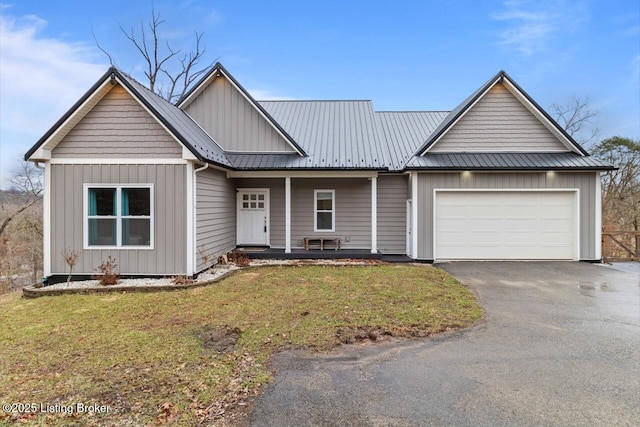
108, 270
239, 258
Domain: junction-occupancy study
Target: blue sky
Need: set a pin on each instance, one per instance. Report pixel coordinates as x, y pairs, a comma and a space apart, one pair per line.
403, 55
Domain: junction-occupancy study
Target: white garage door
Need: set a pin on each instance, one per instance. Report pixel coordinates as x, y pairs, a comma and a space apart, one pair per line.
504, 225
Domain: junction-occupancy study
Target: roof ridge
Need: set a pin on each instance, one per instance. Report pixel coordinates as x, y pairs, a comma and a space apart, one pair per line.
413, 111
314, 100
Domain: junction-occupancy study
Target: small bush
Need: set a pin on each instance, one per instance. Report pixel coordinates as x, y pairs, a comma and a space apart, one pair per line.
108, 269
182, 280
239, 258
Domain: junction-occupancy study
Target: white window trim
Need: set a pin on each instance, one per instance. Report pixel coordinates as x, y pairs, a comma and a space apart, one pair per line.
117, 217
315, 211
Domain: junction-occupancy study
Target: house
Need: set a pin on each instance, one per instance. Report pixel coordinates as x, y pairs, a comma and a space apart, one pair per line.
165, 189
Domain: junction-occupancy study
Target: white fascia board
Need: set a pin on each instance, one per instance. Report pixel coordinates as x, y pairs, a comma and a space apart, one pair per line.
62, 130
541, 117
118, 161
302, 174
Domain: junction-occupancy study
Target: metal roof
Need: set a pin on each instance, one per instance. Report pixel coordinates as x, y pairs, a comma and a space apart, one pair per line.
507, 161
404, 131
334, 134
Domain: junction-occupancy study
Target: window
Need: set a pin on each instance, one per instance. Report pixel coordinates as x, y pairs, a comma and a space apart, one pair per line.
118, 216
253, 201
324, 206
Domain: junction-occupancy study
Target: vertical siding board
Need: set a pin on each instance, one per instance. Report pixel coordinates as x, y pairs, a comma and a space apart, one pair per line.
584, 181
68, 218
232, 121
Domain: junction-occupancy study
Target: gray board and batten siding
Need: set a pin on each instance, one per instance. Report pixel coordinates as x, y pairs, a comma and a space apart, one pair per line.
392, 213
117, 127
215, 216
584, 181
498, 122
233, 122
168, 255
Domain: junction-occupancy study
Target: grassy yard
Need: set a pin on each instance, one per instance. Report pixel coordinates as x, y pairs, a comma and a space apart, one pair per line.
170, 357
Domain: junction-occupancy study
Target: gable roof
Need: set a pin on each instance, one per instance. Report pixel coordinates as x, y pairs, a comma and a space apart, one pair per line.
502, 77
176, 121
219, 71
330, 135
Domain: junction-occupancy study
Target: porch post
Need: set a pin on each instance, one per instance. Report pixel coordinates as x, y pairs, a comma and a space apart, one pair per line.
374, 215
598, 221
414, 215
287, 215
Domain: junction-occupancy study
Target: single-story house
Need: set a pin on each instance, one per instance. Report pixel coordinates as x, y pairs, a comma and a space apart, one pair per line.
164, 189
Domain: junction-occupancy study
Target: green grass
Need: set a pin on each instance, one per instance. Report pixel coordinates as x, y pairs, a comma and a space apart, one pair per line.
142, 353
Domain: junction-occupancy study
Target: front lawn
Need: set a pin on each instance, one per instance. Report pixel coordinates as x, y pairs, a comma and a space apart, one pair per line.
196, 355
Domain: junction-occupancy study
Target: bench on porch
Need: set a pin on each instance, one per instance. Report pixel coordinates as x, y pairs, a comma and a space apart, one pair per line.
320, 241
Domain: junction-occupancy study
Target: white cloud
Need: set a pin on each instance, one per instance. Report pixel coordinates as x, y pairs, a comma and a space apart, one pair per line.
40, 78
267, 95
531, 25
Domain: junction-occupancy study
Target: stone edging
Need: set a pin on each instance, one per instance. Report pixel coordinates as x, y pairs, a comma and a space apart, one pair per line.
33, 292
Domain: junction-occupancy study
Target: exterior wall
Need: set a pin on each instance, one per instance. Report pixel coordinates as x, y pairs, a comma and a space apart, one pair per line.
215, 216
352, 209
392, 213
169, 212
585, 182
498, 122
118, 127
226, 115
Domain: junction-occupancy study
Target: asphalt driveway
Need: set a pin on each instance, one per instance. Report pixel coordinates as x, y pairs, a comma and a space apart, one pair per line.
560, 345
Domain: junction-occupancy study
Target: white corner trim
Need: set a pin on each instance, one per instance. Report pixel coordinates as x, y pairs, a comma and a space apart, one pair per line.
414, 215
46, 222
598, 218
287, 215
191, 218
374, 215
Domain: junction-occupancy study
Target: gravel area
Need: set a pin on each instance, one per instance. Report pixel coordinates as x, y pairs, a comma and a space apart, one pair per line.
210, 275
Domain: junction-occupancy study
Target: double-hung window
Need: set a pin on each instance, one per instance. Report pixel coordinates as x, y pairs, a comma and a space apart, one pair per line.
324, 210
119, 216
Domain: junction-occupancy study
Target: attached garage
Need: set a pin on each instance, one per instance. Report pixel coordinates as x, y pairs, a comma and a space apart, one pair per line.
494, 224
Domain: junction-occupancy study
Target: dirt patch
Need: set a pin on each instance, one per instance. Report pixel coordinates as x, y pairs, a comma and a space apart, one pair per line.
353, 335
219, 338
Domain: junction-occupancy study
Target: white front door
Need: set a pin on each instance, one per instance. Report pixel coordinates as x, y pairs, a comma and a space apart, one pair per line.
253, 217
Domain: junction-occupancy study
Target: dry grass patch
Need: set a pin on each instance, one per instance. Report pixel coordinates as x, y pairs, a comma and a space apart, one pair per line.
195, 355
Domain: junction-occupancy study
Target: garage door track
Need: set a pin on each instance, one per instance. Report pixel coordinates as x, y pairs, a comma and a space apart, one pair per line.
560, 345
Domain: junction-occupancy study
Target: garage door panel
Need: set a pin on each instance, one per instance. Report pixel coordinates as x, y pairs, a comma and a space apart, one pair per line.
504, 225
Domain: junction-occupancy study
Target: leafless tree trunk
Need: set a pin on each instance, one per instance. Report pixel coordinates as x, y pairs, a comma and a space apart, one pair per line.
26, 182
170, 72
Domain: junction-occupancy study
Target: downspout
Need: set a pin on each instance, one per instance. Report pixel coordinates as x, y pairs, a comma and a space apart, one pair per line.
193, 220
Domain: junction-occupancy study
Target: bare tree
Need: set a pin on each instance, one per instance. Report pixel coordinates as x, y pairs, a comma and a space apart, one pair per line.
576, 117
26, 184
71, 257
170, 72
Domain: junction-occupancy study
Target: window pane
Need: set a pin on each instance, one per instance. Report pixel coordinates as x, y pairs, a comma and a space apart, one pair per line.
253, 205
102, 201
102, 232
324, 220
245, 205
261, 205
245, 197
253, 197
136, 201
136, 232
260, 196
324, 201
